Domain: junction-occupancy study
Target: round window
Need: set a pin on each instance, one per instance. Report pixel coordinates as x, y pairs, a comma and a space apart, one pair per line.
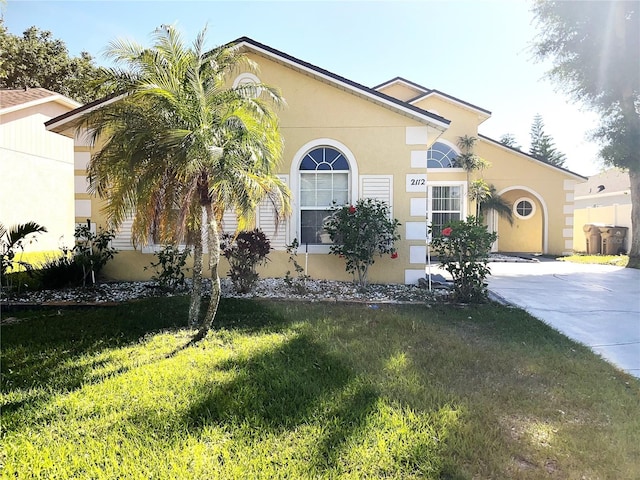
524, 208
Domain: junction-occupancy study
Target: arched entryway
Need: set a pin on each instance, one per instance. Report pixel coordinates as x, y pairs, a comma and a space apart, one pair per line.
529, 231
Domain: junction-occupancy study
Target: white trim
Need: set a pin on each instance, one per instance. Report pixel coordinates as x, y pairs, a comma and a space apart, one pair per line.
411, 277
416, 135
545, 213
524, 199
417, 254
81, 160
245, 77
394, 81
294, 176
346, 86
419, 159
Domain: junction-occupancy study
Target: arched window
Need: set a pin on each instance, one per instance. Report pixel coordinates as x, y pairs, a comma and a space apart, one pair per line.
441, 155
324, 180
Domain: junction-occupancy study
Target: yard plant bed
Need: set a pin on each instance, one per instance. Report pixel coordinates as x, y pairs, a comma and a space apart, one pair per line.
309, 390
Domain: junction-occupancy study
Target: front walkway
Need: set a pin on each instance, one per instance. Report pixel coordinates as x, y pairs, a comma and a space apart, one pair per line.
597, 305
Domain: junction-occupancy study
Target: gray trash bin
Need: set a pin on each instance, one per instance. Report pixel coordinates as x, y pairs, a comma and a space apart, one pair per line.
612, 239
593, 237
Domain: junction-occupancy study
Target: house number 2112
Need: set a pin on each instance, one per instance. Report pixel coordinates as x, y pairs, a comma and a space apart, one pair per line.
416, 182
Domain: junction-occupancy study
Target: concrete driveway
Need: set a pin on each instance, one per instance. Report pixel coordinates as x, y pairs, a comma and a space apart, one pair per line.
597, 305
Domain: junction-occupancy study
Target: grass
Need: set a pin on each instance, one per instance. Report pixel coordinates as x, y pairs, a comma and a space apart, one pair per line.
617, 260
310, 390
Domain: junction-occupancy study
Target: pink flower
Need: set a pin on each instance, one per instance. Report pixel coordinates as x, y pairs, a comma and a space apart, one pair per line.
394, 255
447, 231
352, 209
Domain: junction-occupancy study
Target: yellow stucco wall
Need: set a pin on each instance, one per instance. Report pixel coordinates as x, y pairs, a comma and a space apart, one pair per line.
379, 140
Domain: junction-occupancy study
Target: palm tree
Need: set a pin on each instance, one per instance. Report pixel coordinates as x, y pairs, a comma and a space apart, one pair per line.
494, 202
182, 146
13, 239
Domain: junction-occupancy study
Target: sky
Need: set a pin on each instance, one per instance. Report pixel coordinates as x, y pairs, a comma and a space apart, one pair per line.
478, 51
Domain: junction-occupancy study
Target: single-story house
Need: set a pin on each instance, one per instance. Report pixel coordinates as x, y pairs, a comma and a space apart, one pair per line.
604, 199
36, 166
396, 142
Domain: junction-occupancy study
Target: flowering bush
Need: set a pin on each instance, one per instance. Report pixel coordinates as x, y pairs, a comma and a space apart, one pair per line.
361, 231
245, 252
463, 248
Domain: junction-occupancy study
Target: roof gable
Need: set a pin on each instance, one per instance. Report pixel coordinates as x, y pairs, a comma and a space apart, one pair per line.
424, 92
387, 101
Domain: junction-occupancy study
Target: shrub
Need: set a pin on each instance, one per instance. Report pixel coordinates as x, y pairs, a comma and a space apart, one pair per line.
360, 232
463, 248
80, 264
245, 252
297, 283
170, 267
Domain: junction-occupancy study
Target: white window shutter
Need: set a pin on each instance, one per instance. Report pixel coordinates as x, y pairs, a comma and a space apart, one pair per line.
229, 222
122, 240
379, 187
266, 221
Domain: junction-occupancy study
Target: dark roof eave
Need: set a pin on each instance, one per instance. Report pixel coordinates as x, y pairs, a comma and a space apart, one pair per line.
79, 110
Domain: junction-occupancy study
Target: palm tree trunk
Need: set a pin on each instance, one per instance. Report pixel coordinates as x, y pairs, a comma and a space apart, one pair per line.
213, 240
634, 245
196, 289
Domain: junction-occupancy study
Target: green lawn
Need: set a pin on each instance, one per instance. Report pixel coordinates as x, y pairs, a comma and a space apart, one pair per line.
617, 260
309, 390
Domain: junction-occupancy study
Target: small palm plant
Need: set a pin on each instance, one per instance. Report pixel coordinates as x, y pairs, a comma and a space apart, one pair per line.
14, 239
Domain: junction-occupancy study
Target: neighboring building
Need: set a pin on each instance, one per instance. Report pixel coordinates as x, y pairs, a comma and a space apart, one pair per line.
36, 166
396, 142
603, 199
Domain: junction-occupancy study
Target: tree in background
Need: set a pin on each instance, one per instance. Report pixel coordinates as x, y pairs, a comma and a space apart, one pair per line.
36, 59
542, 145
509, 140
595, 52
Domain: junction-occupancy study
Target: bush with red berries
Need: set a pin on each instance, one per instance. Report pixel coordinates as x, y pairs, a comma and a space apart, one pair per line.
360, 232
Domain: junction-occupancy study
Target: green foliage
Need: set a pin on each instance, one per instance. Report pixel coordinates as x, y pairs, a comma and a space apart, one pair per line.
80, 265
542, 145
170, 266
297, 283
479, 192
361, 232
12, 241
463, 249
509, 140
494, 202
245, 251
36, 59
